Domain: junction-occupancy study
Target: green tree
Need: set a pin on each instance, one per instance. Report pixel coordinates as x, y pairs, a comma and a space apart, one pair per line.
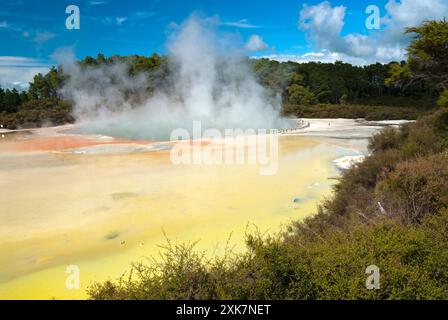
37, 87
299, 94
2, 97
11, 100
427, 66
399, 75
428, 51
443, 99
45, 87
343, 99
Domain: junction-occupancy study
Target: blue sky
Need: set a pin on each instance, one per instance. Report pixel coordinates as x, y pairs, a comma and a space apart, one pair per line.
31, 31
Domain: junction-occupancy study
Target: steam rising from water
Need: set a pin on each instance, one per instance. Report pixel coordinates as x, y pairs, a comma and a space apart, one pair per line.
203, 84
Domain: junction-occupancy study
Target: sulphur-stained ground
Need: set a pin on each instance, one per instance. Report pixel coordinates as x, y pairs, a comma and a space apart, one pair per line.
101, 203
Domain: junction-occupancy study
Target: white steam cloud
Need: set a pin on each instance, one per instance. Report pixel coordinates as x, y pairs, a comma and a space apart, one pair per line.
203, 84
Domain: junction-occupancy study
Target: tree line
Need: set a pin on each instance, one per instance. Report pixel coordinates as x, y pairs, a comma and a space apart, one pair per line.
338, 83
419, 82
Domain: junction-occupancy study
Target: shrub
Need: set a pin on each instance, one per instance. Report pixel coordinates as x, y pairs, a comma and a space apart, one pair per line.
180, 274
416, 188
388, 138
45, 113
412, 261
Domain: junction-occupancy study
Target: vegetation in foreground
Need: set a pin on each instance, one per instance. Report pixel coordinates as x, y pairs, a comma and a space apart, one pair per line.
390, 211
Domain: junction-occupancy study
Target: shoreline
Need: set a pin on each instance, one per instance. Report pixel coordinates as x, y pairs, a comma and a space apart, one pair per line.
135, 196
112, 195
60, 139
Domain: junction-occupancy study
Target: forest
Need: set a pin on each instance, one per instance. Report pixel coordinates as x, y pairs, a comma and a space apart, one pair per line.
397, 90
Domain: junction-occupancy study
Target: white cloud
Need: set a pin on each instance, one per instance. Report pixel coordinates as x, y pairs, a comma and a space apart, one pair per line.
120, 20
324, 56
140, 15
323, 25
405, 13
243, 23
17, 72
41, 37
4, 24
96, 3
173, 25
255, 43
137, 16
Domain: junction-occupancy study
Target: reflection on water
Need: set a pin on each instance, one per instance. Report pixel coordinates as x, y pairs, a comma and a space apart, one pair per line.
104, 211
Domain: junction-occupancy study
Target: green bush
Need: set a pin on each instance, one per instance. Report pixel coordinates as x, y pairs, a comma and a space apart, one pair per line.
416, 188
36, 113
388, 138
412, 262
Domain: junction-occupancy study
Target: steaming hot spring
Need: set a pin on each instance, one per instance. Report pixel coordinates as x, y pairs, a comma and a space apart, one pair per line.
102, 202
104, 192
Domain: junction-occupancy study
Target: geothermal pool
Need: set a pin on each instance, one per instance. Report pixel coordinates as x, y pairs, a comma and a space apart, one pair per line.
101, 203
